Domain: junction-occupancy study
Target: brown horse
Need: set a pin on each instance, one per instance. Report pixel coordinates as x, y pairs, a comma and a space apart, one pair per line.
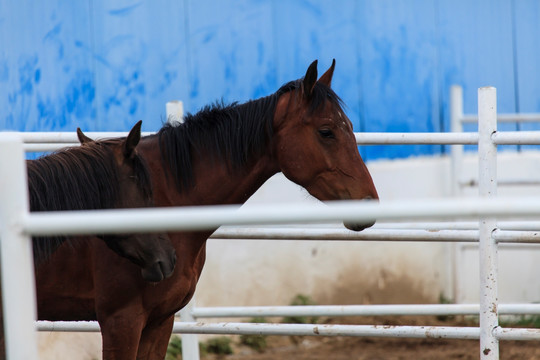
100, 175
220, 155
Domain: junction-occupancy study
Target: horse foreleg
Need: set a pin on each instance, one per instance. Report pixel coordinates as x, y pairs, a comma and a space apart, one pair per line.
120, 337
155, 339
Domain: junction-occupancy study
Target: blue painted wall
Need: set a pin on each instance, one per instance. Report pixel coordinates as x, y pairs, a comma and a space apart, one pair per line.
104, 64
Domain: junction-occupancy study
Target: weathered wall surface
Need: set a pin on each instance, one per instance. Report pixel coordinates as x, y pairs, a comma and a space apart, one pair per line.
103, 65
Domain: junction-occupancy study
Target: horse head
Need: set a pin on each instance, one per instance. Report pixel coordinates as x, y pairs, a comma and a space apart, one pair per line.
154, 253
324, 157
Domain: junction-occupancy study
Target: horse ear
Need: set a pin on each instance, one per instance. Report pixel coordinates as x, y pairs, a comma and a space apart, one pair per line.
326, 78
310, 79
132, 139
83, 139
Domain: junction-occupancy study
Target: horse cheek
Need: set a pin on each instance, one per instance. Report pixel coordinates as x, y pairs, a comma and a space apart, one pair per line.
294, 164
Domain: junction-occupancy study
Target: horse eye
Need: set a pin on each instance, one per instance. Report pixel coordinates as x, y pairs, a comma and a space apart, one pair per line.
326, 133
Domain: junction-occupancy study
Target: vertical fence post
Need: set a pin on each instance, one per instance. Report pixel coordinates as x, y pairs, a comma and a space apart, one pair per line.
190, 342
487, 182
456, 174
456, 151
175, 111
18, 285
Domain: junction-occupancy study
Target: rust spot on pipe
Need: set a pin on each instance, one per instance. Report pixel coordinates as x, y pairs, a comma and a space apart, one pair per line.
486, 351
316, 330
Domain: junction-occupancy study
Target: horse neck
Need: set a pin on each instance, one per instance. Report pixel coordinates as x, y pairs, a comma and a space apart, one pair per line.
235, 187
215, 183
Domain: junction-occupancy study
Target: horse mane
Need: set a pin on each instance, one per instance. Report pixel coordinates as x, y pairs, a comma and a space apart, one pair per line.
234, 133
77, 178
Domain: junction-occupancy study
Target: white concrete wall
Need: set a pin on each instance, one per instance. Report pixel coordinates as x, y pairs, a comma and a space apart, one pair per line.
335, 272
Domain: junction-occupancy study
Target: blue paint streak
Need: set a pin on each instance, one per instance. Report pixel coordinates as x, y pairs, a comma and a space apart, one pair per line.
53, 33
53, 36
37, 76
27, 70
125, 11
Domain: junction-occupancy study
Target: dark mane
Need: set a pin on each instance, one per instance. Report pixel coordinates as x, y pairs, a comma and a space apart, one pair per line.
78, 178
233, 133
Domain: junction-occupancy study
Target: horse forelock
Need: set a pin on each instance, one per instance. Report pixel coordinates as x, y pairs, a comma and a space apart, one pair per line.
139, 169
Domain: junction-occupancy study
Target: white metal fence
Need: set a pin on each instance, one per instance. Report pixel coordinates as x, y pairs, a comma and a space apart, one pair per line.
487, 138
17, 225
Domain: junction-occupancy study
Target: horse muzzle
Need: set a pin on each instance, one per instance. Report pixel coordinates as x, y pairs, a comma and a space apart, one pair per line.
159, 270
360, 225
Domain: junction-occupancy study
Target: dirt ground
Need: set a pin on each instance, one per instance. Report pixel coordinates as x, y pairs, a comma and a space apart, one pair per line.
348, 348
384, 349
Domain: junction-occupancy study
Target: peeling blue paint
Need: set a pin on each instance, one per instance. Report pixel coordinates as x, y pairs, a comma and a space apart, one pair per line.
27, 70
80, 95
101, 65
53, 37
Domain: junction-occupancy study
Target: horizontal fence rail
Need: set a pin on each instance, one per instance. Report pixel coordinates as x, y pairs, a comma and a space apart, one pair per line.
531, 225
70, 137
366, 138
359, 310
291, 329
472, 333
521, 117
434, 138
209, 217
335, 234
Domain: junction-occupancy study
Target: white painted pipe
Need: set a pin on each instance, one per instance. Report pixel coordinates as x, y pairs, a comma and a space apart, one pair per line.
343, 234
47, 147
458, 225
289, 329
327, 330
313, 330
71, 136
515, 236
511, 117
444, 138
516, 334
67, 326
456, 152
18, 293
175, 111
190, 342
209, 217
358, 310
335, 234
516, 138
36, 142
487, 187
